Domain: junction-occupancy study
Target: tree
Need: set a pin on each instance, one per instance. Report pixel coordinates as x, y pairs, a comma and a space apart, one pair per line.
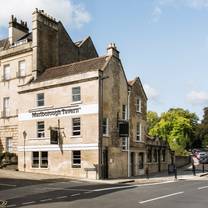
178, 127
202, 131
152, 119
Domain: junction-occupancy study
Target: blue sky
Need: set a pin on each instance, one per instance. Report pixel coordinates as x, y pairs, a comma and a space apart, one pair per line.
164, 42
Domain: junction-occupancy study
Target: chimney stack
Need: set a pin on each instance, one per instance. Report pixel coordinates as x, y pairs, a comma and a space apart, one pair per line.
112, 50
16, 29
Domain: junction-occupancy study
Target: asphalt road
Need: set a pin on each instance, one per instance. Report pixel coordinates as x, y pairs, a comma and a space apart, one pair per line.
76, 194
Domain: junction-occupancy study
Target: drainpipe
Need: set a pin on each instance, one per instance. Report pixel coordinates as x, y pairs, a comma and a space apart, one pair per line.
128, 138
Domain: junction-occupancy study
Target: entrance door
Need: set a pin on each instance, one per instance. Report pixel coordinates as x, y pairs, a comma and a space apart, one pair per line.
132, 163
105, 164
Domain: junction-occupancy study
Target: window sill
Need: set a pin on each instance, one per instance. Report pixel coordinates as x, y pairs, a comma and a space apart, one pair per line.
79, 136
106, 135
76, 103
76, 166
39, 168
39, 138
139, 142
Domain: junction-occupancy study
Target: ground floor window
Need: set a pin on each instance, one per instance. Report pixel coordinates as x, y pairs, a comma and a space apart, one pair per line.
39, 159
76, 159
9, 145
141, 160
124, 143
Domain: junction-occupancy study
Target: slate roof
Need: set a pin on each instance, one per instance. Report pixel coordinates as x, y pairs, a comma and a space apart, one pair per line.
74, 68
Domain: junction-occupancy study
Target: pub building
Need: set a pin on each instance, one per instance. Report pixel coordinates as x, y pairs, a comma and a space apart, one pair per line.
68, 111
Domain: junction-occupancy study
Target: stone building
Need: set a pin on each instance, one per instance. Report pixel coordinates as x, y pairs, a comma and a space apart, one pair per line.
64, 107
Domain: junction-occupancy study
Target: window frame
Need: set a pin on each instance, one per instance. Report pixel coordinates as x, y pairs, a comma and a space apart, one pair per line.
124, 112
124, 143
105, 126
6, 74
21, 71
40, 131
39, 159
9, 145
6, 106
138, 104
138, 132
74, 134
76, 96
39, 100
75, 158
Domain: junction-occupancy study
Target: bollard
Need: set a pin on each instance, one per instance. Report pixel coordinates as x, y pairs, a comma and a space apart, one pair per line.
193, 169
203, 168
175, 172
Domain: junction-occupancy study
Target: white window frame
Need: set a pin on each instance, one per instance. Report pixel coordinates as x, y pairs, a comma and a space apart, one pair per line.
74, 131
9, 144
40, 160
40, 100
6, 106
77, 158
76, 96
138, 104
124, 143
139, 132
105, 126
40, 131
22, 68
6, 72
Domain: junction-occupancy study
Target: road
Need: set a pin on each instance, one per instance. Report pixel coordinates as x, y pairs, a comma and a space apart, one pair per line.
64, 193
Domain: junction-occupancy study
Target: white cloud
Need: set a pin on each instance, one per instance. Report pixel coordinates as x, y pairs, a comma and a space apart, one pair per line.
198, 97
152, 93
71, 14
156, 14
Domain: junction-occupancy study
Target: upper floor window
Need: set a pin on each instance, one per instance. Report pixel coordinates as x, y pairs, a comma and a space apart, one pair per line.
5, 106
76, 94
105, 126
138, 135
124, 112
138, 104
22, 69
9, 146
76, 127
40, 129
40, 99
124, 143
6, 75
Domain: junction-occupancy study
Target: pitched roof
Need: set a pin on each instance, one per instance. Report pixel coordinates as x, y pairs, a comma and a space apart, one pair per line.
74, 68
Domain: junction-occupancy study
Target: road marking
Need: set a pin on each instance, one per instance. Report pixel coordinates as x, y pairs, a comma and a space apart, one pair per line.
75, 194
88, 192
161, 197
61, 197
70, 189
44, 200
5, 184
132, 186
12, 205
26, 203
204, 187
3, 203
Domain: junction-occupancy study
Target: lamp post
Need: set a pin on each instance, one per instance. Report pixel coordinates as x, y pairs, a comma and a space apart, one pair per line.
24, 136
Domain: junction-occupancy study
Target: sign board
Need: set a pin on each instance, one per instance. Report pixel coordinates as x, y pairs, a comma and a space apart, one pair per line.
123, 128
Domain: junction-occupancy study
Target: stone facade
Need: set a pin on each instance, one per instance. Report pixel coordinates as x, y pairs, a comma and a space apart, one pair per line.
65, 112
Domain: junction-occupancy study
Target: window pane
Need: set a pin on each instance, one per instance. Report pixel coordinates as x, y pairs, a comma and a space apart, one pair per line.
76, 96
40, 129
35, 159
40, 99
22, 69
76, 126
76, 158
44, 159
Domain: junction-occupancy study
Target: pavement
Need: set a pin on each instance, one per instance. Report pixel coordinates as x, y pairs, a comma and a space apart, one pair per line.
184, 173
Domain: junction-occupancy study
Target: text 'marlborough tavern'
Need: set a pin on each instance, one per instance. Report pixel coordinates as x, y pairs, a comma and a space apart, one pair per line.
63, 107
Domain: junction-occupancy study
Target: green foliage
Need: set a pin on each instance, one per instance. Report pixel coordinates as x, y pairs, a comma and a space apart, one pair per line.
178, 127
152, 119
